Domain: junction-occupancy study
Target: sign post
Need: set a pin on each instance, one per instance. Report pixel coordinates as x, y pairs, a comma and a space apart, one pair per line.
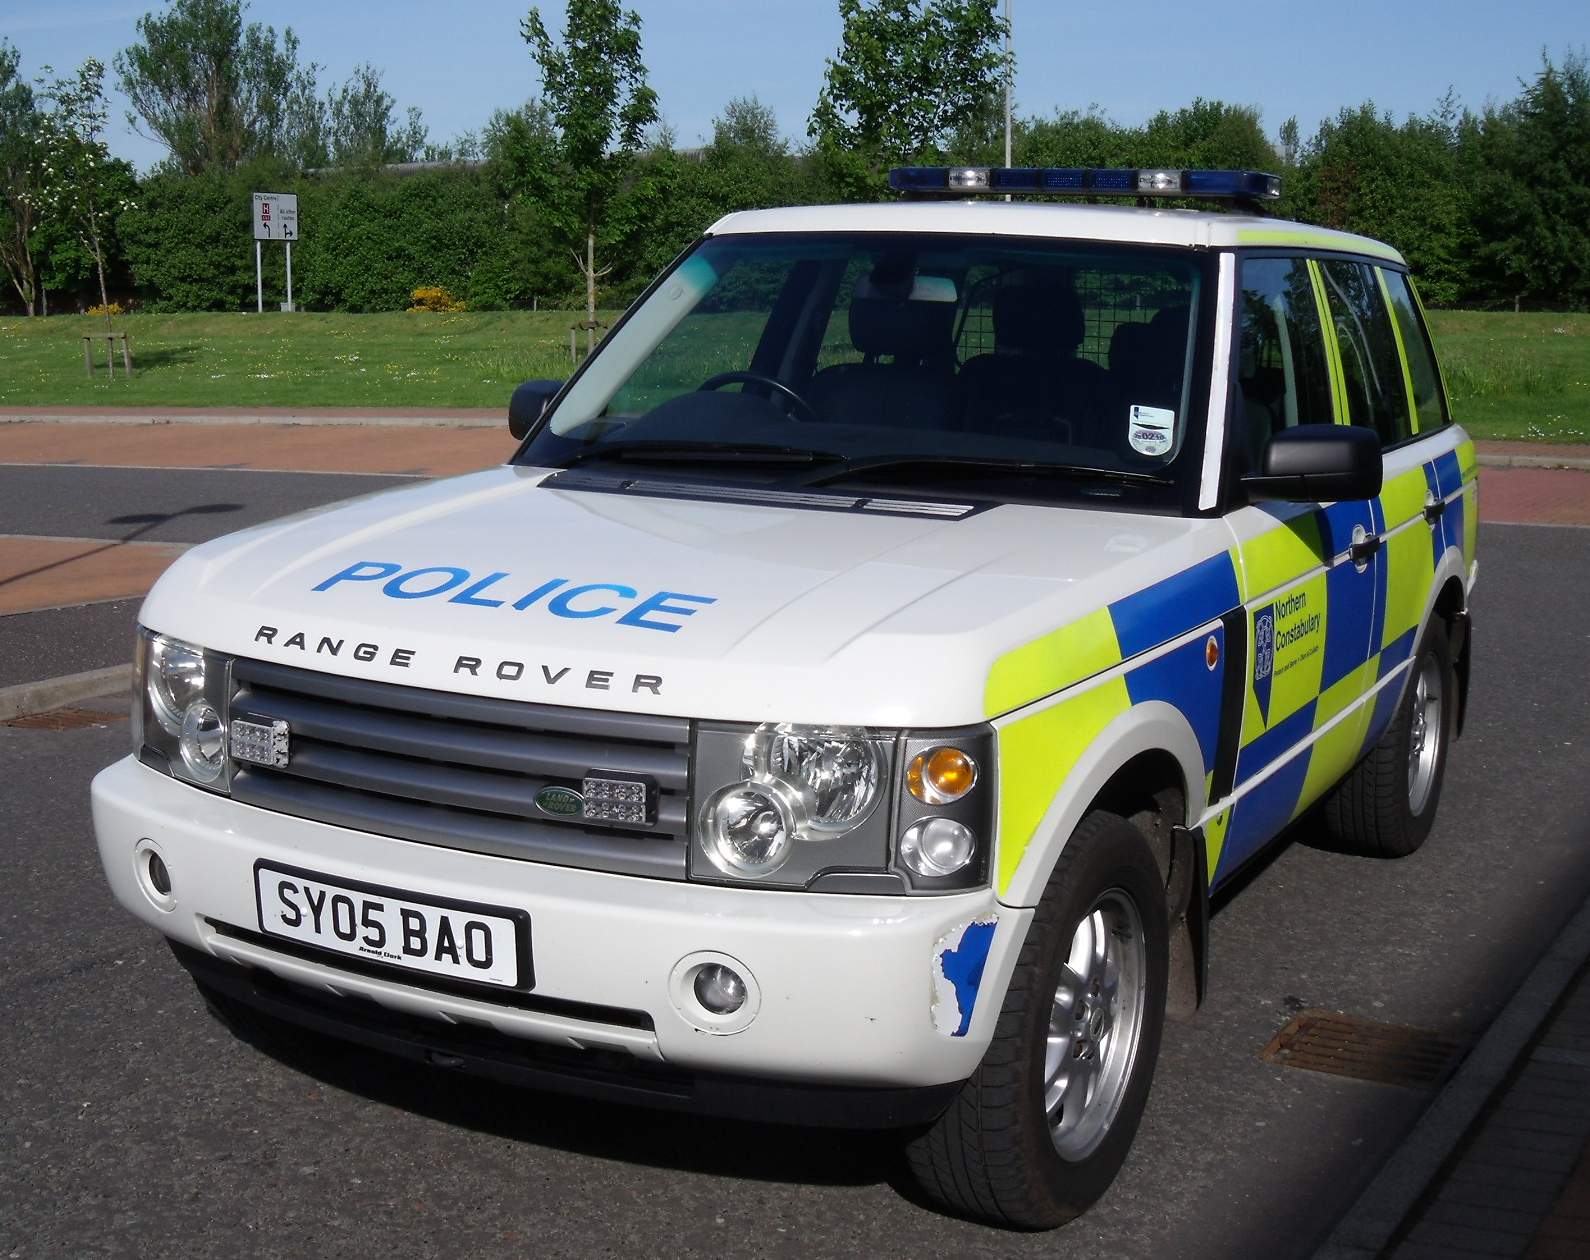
275, 219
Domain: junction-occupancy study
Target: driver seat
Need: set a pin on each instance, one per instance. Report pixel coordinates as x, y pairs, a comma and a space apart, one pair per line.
915, 388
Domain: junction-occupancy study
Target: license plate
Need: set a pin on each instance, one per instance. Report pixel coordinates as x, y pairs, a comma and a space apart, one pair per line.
458, 940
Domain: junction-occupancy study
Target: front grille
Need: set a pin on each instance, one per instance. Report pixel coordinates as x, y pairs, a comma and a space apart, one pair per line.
462, 771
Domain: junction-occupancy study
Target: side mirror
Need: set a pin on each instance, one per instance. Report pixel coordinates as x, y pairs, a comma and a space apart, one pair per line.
528, 402
1319, 463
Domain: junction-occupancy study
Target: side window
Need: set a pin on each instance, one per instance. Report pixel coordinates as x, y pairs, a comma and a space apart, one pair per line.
1428, 400
1282, 370
1371, 367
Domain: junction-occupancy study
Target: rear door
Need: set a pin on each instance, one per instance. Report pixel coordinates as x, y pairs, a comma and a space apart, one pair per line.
1392, 385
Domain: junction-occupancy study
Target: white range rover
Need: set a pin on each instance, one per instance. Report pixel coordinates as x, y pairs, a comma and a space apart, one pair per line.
841, 706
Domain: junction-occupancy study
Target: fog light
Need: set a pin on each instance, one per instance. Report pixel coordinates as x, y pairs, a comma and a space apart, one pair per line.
153, 875
159, 876
719, 989
714, 993
936, 847
203, 741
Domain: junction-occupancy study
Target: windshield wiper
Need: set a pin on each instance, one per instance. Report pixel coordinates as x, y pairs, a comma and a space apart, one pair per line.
953, 464
707, 452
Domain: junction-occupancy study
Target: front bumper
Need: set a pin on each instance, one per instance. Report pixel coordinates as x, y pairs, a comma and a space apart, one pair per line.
852, 988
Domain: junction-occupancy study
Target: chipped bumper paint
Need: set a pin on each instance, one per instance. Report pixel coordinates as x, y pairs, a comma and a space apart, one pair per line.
959, 957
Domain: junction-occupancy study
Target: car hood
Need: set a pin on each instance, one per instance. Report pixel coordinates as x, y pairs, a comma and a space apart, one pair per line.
703, 609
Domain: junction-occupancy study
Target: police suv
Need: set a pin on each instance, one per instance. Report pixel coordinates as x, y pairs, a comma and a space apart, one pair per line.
843, 704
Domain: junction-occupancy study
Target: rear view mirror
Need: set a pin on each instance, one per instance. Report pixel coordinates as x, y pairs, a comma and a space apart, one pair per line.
1318, 463
528, 402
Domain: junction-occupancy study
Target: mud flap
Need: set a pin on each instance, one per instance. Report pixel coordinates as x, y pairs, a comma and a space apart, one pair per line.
1187, 904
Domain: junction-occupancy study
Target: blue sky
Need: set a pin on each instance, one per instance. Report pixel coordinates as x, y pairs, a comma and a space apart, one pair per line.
459, 61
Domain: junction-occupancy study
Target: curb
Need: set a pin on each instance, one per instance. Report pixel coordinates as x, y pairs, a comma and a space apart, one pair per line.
1369, 1224
310, 419
51, 693
1533, 461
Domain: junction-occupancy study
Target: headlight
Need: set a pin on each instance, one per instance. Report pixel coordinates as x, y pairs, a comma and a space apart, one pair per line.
843, 809
749, 828
174, 679
203, 742
180, 710
836, 771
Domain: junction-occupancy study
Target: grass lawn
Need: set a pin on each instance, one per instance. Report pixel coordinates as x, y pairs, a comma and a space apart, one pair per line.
1510, 376
275, 360
1524, 377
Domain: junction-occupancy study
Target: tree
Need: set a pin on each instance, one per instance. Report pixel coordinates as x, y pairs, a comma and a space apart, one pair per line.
746, 123
362, 127
747, 165
19, 172
216, 92
1363, 172
1207, 135
594, 89
1291, 146
1533, 170
909, 74
80, 186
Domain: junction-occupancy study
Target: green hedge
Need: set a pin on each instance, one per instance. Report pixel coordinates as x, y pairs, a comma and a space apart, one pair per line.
369, 240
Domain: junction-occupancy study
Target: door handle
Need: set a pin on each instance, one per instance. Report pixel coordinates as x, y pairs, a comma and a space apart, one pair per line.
1434, 510
1363, 548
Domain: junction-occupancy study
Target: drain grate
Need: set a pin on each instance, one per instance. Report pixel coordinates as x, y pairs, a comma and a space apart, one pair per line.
68, 719
1347, 1045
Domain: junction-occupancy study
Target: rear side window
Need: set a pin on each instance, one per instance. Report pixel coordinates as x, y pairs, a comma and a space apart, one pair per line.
1371, 367
1282, 369
1428, 400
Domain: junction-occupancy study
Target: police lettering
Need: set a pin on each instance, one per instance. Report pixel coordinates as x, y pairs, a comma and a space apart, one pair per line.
663, 611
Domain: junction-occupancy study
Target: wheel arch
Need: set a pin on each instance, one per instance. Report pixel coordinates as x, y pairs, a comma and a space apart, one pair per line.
1148, 748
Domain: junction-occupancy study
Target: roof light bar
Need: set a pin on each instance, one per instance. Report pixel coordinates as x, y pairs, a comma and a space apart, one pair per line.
1087, 181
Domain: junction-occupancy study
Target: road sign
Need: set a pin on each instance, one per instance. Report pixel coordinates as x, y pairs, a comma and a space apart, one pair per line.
275, 216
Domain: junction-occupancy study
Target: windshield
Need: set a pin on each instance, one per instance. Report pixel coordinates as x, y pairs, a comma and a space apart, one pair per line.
906, 359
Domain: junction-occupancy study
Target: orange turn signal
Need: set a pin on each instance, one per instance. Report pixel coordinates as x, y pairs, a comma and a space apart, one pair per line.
941, 775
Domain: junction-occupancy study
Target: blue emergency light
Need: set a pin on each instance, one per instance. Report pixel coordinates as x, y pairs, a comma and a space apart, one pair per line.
1084, 181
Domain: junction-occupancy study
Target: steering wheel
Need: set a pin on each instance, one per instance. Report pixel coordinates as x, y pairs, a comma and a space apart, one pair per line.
756, 378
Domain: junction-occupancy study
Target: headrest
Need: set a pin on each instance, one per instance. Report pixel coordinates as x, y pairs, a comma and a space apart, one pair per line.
902, 327
1169, 327
1129, 344
1038, 320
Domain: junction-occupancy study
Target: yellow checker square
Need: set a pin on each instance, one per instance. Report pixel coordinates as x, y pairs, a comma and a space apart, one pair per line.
1409, 573
1279, 555
1288, 635
1402, 498
1037, 753
1337, 749
1052, 663
1215, 839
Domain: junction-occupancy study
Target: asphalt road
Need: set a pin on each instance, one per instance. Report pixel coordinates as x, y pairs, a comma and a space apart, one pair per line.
172, 505
130, 1123
184, 505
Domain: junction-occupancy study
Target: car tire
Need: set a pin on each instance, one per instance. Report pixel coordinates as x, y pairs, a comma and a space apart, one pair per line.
1387, 803
1003, 1152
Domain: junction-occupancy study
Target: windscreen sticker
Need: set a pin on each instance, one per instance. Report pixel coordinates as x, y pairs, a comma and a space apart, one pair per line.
1149, 429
